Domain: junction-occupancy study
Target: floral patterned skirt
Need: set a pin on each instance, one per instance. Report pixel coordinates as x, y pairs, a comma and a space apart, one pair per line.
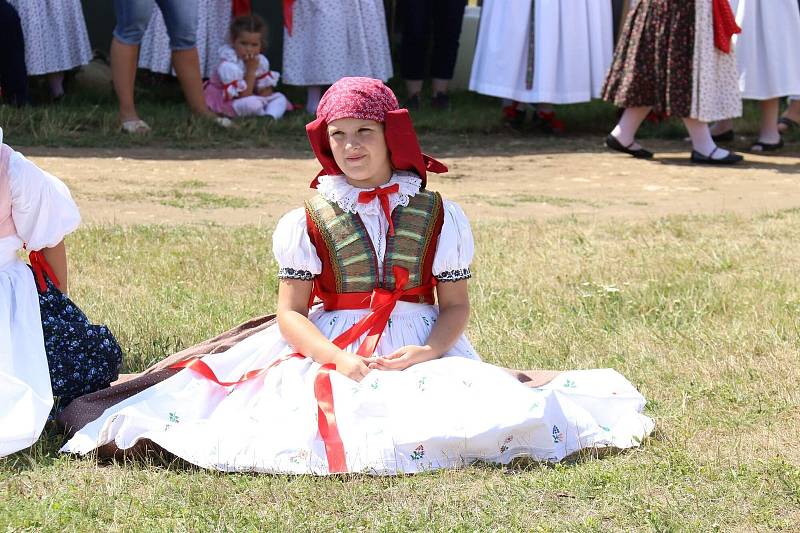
82, 357
654, 58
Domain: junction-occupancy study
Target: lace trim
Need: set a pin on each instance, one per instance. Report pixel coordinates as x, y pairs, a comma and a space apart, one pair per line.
291, 273
454, 275
336, 189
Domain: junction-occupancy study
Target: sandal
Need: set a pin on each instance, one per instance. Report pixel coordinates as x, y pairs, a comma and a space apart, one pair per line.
789, 123
760, 146
135, 127
613, 143
730, 159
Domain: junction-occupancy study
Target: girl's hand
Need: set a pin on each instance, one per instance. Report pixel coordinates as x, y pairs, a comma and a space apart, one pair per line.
403, 358
251, 62
351, 365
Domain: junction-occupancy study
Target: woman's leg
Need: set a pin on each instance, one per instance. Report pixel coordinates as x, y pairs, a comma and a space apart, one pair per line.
702, 141
769, 133
313, 94
132, 18
180, 18
628, 125
56, 82
792, 113
123, 75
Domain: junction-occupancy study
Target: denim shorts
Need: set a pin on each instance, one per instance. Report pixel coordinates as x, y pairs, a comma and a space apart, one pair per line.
180, 17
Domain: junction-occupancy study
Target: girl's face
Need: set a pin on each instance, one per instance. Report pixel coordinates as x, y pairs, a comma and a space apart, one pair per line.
360, 151
247, 44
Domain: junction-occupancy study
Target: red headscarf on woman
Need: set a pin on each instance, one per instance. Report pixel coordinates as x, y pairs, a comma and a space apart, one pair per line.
369, 99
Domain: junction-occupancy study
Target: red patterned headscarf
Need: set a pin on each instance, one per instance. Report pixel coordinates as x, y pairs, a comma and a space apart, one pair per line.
369, 99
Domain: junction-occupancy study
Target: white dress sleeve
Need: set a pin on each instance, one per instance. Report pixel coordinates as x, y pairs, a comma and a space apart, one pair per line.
41, 206
455, 248
296, 255
264, 76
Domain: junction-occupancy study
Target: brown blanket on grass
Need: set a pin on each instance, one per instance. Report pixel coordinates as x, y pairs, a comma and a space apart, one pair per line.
89, 407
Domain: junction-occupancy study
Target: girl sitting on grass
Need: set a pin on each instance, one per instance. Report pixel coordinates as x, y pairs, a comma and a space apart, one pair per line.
378, 377
47, 346
243, 85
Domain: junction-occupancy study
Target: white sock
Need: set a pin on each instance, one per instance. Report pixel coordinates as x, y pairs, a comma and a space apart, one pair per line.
701, 139
628, 125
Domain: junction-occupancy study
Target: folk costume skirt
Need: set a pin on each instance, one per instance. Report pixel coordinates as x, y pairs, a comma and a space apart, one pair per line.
445, 413
666, 59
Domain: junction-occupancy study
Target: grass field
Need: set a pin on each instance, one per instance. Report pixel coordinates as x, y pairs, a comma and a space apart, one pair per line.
699, 312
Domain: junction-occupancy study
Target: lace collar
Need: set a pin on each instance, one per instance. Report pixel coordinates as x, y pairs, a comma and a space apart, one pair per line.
336, 189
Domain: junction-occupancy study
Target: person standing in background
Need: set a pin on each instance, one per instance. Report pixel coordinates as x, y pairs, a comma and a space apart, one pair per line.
55, 39
444, 18
675, 58
180, 17
13, 73
768, 57
326, 41
790, 119
545, 52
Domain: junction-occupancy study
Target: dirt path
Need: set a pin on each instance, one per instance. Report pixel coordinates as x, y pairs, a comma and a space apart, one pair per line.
511, 179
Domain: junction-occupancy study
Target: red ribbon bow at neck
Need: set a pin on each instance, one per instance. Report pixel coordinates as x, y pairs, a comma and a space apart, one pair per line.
382, 194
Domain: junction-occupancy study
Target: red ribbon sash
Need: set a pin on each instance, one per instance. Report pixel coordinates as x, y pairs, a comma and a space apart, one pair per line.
382, 194
381, 305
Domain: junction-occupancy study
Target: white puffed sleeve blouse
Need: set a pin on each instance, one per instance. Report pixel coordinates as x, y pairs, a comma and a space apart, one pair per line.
41, 206
297, 258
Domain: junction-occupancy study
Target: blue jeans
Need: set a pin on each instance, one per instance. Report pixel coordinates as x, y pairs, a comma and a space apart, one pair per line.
180, 17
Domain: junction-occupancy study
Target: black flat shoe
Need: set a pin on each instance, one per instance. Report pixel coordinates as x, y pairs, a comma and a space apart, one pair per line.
614, 144
725, 136
758, 146
730, 159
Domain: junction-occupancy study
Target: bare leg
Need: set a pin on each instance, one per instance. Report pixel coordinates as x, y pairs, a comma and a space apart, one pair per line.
792, 112
56, 82
313, 95
628, 125
769, 122
439, 85
414, 87
187, 66
701, 139
123, 74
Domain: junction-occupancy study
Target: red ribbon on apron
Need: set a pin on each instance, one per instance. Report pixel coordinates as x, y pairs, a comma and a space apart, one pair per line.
381, 305
382, 195
724, 25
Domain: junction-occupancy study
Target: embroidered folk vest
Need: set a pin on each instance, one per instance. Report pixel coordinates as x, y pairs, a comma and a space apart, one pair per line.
349, 260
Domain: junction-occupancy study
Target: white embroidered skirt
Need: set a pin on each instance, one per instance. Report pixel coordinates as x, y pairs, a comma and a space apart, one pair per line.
445, 413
